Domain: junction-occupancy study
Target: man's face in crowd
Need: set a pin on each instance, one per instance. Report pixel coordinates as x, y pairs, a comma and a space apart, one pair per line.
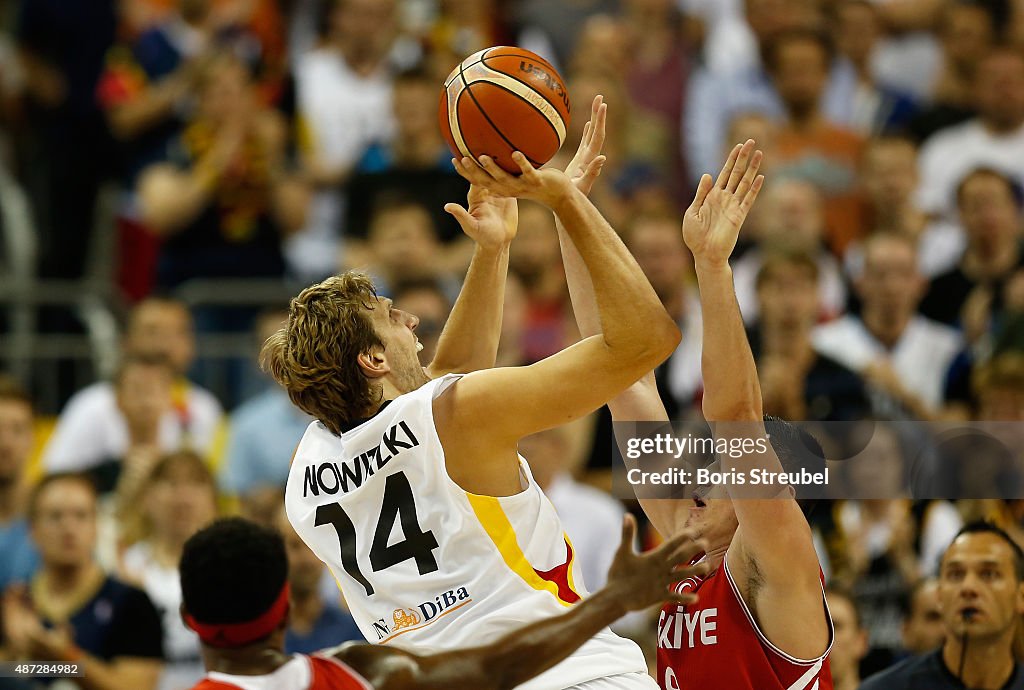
979, 589
16, 439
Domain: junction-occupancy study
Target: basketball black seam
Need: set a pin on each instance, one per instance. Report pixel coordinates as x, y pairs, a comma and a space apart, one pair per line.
465, 89
487, 117
543, 117
488, 55
530, 86
483, 59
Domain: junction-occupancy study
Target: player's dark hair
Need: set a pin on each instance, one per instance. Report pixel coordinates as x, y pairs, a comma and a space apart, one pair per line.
232, 571
984, 527
796, 450
49, 480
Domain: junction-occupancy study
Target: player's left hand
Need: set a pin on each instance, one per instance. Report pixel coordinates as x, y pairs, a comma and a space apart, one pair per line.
712, 224
491, 220
641, 580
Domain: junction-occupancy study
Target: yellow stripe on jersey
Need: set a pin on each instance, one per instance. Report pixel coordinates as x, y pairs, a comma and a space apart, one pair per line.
492, 516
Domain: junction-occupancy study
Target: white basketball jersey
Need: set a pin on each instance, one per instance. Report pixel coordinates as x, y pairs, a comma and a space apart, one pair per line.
426, 565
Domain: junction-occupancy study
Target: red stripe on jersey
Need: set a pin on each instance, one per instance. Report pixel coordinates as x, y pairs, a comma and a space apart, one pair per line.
559, 575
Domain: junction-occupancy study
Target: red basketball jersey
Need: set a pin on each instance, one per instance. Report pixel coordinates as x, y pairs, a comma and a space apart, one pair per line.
715, 643
325, 674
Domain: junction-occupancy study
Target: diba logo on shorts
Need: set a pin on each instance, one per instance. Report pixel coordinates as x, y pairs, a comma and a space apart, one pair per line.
422, 615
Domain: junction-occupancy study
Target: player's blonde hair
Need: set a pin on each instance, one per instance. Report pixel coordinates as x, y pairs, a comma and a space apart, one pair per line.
315, 355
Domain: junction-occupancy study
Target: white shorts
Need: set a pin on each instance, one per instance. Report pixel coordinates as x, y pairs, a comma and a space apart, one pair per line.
625, 681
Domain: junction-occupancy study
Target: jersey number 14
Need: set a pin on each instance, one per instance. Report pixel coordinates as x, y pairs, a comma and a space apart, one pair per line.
398, 503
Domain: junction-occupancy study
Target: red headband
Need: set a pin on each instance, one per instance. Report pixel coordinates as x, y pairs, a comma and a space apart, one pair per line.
230, 635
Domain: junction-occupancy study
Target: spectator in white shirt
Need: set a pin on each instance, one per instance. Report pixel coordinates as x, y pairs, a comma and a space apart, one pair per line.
91, 429
889, 176
995, 138
344, 93
903, 356
792, 218
177, 499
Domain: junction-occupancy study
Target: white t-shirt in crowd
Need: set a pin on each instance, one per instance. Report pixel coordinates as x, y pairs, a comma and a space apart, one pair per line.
921, 357
184, 664
831, 288
341, 114
952, 153
91, 429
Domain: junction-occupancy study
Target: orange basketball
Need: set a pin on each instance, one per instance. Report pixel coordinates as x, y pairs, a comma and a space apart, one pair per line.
504, 99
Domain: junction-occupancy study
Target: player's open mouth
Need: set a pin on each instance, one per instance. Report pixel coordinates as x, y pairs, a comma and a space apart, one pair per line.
419, 345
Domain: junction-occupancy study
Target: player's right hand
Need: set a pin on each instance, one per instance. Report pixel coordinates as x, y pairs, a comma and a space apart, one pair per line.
547, 185
641, 580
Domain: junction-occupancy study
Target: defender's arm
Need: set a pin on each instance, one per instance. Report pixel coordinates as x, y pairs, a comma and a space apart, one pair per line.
635, 582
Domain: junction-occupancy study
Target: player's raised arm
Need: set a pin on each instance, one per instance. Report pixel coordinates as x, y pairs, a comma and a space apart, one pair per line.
773, 533
635, 582
469, 340
481, 418
641, 401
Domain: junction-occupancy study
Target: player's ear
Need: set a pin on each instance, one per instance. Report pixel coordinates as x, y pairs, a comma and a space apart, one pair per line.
374, 364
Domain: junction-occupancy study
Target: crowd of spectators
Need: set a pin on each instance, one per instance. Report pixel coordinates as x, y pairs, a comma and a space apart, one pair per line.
880, 275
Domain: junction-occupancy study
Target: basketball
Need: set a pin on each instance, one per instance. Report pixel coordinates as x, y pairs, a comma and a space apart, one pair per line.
504, 99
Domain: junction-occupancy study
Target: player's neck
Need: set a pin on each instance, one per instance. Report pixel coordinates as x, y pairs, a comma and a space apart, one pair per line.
989, 662
715, 555
254, 660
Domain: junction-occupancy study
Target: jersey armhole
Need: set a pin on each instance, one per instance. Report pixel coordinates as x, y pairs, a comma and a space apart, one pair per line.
764, 639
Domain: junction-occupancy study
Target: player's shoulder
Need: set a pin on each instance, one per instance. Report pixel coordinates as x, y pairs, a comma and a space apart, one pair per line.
317, 440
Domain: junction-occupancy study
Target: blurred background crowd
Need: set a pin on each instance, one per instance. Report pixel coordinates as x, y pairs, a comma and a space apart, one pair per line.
172, 170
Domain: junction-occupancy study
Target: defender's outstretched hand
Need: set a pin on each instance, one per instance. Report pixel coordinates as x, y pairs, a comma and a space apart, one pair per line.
491, 221
546, 185
711, 225
641, 580
586, 165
